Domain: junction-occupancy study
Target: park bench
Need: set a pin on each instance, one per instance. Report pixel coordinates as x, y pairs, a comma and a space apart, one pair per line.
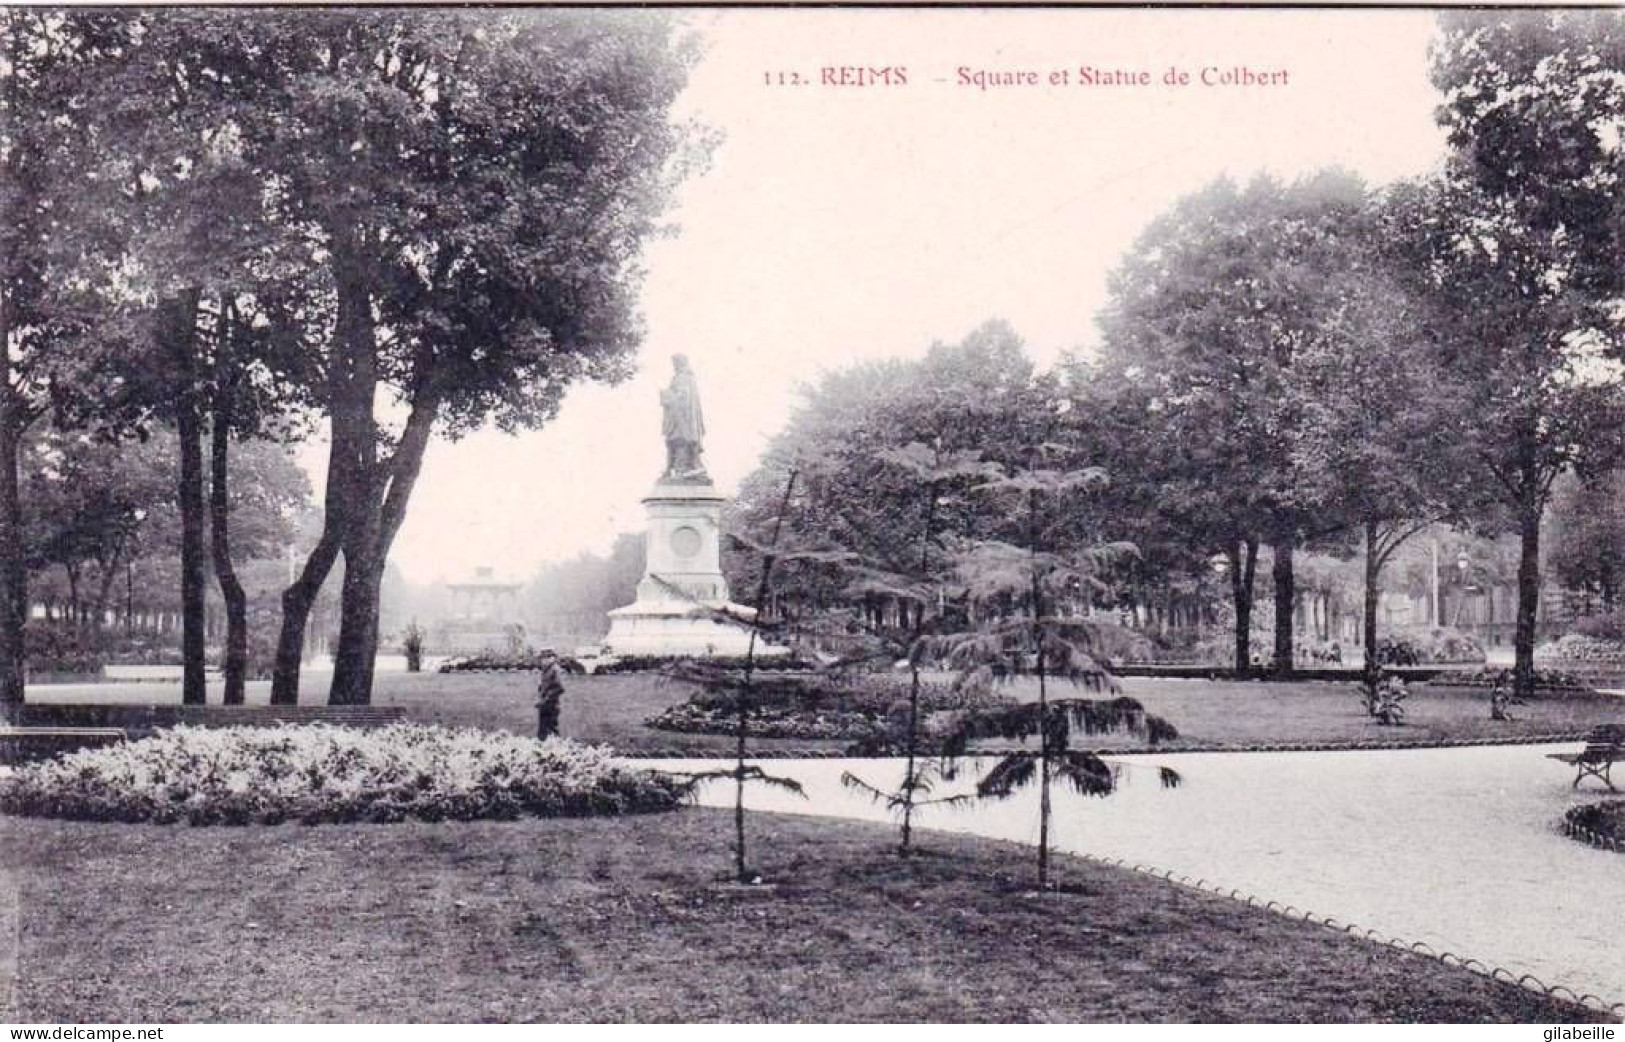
39, 731
26, 744
1604, 745
140, 720
270, 716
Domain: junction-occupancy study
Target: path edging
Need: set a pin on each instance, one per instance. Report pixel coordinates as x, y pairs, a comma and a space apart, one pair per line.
1267, 747
1592, 838
1528, 981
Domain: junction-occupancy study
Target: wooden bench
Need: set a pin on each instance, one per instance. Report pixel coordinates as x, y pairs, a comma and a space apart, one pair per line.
270, 716
140, 720
20, 745
1604, 745
39, 731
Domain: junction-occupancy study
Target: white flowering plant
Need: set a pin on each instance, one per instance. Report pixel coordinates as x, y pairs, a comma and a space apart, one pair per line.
317, 773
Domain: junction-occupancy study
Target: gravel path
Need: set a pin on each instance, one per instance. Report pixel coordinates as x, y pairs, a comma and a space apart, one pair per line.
1455, 847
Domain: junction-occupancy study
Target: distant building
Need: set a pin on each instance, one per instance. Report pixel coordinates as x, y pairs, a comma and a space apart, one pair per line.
484, 615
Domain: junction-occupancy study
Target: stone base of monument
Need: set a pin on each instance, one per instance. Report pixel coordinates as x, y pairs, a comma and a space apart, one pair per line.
675, 627
683, 588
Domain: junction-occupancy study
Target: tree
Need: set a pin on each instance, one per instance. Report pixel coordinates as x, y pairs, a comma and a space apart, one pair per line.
743, 686
1170, 584
251, 519
98, 510
1381, 443
1024, 581
916, 583
475, 187
571, 599
1515, 248
980, 394
1533, 105
905, 439
171, 247
46, 60
1205, 319
90, 507
1587, 536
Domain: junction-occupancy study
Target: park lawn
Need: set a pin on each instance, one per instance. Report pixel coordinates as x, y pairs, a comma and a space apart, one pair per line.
607, 709
625, 920
1315, 712
612, 709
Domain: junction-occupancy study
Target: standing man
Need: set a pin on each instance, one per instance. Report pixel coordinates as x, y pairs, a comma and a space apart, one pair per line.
549, 690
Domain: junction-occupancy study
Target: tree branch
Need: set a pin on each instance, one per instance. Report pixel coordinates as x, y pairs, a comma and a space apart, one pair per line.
1395, 541
406, 462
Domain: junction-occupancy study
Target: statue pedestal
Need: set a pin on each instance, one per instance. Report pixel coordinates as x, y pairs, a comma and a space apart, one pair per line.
682, 582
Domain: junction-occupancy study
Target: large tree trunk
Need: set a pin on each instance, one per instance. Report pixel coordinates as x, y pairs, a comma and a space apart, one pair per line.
369, 533
358, 628
353, 513
225, 573
13, 569
1285, 604
352, 450
14, 420
75, 613
1373, 590
297, 602
235, 663
366, 495
300, 598
1243, 558
193, 594
104, 593
179, 329
1523, 643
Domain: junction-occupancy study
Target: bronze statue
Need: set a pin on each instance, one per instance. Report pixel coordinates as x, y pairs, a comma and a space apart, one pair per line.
683, 425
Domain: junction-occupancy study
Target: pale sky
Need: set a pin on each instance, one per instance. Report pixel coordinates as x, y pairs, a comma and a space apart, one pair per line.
840, 223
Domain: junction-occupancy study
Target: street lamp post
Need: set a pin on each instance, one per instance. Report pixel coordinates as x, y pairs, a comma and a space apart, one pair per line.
1221, 569
1438, 609
1463, 569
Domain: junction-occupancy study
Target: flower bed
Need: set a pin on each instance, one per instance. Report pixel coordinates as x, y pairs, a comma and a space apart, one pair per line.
503, 662
760, 663
1591, 658
853, 707
1421, 644
689, 718
1547, 681
322, 774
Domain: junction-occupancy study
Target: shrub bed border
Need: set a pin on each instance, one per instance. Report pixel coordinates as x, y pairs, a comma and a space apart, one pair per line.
668, 753
1590, 837
278, 775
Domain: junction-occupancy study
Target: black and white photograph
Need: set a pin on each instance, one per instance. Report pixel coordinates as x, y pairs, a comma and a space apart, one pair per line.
828, 513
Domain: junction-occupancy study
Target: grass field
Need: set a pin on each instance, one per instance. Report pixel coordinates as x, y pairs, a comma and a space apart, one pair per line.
608, 920
612, 709
608, 709
1250, 713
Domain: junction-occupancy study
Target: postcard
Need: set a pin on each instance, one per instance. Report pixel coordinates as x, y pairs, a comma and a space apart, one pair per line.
821, 514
